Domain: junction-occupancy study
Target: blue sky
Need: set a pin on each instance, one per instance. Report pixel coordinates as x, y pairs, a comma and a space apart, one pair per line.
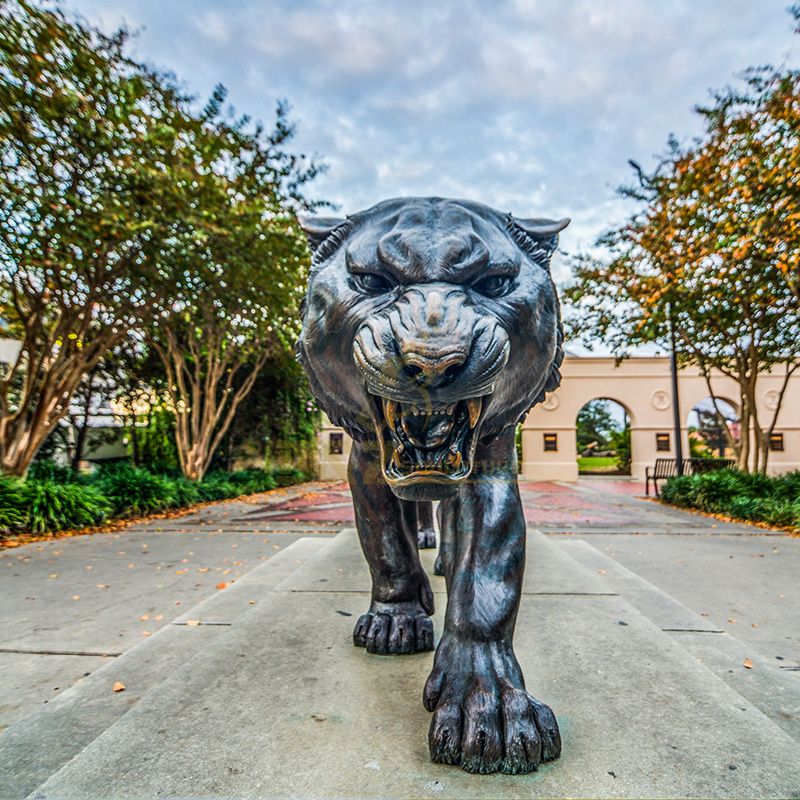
532, 106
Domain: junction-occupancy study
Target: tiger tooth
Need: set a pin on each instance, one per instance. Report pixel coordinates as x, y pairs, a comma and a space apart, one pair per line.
454, 459
390, 411
474, 408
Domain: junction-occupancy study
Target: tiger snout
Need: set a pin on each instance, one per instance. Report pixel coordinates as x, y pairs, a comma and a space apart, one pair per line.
429, 361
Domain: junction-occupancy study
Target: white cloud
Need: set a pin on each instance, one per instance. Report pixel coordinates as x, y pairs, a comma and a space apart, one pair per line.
533, 106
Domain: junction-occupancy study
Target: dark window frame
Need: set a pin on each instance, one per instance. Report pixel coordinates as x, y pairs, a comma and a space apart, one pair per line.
336, 444
550, 442
776, 443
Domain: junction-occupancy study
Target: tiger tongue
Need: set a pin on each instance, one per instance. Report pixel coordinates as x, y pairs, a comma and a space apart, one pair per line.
426, 430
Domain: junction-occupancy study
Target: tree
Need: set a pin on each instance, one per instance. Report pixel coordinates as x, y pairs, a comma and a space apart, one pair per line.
278, 416
91, 187
595, 424
242, 268
713, 250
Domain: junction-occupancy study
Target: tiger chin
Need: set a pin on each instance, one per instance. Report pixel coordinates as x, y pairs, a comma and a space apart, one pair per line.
430, 328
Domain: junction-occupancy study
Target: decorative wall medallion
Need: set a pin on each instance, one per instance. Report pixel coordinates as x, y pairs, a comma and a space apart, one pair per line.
550, 403
771, 399
661, 400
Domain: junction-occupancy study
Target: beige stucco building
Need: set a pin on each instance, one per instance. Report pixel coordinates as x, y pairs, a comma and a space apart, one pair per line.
641, 385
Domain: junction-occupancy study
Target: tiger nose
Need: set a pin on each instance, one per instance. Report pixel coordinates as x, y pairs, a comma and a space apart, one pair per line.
433, 371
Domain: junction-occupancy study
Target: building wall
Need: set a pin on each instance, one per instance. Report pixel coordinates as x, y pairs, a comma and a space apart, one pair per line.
333, 466
642, 386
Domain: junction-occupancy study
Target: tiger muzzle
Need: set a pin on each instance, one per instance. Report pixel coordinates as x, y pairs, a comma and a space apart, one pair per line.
429, 362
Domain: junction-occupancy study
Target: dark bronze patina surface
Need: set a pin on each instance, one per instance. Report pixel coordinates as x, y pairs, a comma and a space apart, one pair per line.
430, 328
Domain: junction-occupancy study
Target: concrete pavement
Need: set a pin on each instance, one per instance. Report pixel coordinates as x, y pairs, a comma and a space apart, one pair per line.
83, 611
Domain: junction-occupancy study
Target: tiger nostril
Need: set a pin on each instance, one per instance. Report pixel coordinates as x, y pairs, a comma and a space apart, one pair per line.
451, 372
413, 371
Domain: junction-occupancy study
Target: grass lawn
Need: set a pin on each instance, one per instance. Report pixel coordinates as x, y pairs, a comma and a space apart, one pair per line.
597, 464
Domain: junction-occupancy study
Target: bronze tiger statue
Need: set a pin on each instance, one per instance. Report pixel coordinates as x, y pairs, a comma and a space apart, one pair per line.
430, 328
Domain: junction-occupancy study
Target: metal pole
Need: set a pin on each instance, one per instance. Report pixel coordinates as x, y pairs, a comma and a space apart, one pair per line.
676, 410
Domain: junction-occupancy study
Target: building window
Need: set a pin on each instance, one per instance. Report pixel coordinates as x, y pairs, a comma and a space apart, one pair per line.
336, 444
662, 442
550, 442
776, 442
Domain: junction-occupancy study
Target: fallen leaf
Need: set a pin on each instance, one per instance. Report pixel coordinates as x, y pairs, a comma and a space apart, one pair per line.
602, 571
53, 575
102, 586
119, 686
158, 617
144, 617
192, 622
732, 621
202, 569
145, 633
76, 597
222, 585
252, 602
747, 664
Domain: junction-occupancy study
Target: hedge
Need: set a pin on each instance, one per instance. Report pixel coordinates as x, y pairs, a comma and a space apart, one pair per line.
54, 498
747, 496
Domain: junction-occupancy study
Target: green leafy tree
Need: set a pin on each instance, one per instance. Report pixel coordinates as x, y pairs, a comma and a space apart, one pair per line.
713, 250
595, 424
278, 418
242, 268
92, 184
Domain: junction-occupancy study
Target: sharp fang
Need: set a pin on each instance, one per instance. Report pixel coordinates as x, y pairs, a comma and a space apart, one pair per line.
474, 408
390, 412
454, 459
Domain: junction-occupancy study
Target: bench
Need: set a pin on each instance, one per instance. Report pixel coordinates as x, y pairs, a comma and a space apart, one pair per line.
665, 468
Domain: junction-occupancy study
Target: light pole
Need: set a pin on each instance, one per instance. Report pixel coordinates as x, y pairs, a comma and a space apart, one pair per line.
676, 410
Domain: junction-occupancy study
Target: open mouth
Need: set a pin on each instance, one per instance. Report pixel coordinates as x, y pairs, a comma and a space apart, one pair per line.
427, 443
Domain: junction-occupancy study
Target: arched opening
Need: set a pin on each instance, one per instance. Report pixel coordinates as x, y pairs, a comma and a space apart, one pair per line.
603, 436
714, 429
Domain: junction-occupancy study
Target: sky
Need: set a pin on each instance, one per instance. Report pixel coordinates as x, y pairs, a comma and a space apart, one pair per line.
530, 106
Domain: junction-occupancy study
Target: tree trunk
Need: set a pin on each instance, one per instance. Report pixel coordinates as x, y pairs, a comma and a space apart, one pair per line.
200, 383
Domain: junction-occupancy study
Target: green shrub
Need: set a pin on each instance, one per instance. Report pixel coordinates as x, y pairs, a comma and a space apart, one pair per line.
288, 477
132, 490
754, 497
215, 487
744, 507
46, 470
713, 491
13, 511
787, 486
678, 491
55, 506
779, 512
220, 485
251, 480
184, 492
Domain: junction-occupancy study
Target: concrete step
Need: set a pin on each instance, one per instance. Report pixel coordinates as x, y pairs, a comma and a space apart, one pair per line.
41, 743
773, 690
284, 706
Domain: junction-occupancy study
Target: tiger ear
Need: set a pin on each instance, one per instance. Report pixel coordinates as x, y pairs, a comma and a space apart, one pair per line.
544, 232
318, 229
